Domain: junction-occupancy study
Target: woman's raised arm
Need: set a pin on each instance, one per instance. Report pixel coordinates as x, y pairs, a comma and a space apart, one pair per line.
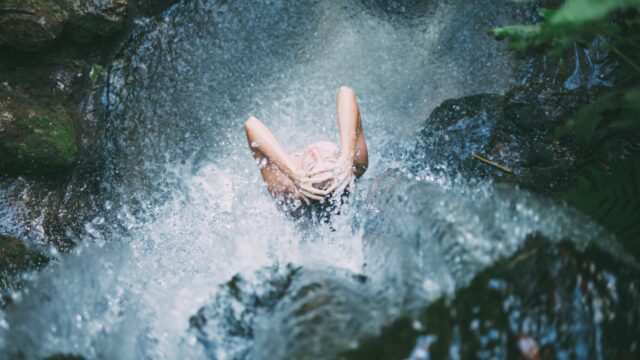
352, 143
277, 169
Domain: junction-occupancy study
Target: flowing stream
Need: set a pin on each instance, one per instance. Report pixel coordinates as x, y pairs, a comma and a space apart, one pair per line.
185, 209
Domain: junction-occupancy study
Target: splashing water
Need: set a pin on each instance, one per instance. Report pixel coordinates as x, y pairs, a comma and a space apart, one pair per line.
186, 209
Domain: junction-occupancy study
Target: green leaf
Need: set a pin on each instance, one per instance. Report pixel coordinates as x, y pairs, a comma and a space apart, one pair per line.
575, 12
611, 197
617, 113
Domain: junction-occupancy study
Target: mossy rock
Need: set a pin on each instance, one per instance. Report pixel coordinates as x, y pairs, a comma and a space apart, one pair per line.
91, 19
15, 258
36, 140
31, 24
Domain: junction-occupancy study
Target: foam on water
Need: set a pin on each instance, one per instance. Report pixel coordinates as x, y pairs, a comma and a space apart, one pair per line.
187, 208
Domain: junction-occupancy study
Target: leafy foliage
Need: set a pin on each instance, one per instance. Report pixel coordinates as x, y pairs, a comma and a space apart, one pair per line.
612, 197
615, 114
617, 24
609, 193
576, 21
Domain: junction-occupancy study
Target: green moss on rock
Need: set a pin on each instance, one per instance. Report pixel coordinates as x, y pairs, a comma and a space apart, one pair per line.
34, 140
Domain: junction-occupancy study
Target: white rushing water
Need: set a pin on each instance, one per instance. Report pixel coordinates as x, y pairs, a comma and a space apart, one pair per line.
185, 207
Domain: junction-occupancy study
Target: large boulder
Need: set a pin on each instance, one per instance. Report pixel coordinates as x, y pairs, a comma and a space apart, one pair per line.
547, 301
293, 314
515, 129
511, 130
31, 24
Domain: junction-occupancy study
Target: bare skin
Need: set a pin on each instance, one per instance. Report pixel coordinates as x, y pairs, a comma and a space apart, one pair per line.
282, 174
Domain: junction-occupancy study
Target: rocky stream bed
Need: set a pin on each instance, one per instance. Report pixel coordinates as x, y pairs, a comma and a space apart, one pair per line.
133, 224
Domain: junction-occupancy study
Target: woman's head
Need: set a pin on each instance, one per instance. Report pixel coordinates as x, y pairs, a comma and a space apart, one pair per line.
318, 157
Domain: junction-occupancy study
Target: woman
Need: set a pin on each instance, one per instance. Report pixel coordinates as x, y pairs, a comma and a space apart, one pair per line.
322, 170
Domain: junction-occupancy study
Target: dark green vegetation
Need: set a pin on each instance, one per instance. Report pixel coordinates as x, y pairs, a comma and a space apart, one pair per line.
604, 133
549, 299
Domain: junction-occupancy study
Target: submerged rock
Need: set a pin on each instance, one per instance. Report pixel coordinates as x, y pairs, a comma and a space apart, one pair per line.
295, 314
546, 301
64, 357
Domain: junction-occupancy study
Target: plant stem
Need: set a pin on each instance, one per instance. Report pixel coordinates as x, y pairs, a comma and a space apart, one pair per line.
624, 57
494, 164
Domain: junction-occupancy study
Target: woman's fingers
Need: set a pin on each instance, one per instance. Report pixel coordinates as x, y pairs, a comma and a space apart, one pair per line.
312, 196
312, 190
318, 172
324, 176
333, 187
338, 186
304, 198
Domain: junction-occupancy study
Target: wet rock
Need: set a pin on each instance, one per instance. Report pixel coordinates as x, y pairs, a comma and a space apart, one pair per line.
16, 258
295, 314
34, 24
153, 7
515, 129
91, 18
31, 24
423, 239
64, 357
547, 301
512, 130
49, 141
35, 139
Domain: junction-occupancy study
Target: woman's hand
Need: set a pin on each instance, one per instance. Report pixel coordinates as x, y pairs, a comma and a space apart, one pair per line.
304, 185
343, 177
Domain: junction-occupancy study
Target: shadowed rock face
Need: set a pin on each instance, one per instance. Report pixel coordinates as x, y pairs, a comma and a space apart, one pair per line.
89, 19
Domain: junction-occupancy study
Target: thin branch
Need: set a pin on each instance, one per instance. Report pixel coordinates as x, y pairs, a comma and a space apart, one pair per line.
624, 57
494, 164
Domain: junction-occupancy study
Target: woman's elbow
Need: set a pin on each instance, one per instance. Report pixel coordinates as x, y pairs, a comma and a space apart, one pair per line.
345, 90
251, 123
